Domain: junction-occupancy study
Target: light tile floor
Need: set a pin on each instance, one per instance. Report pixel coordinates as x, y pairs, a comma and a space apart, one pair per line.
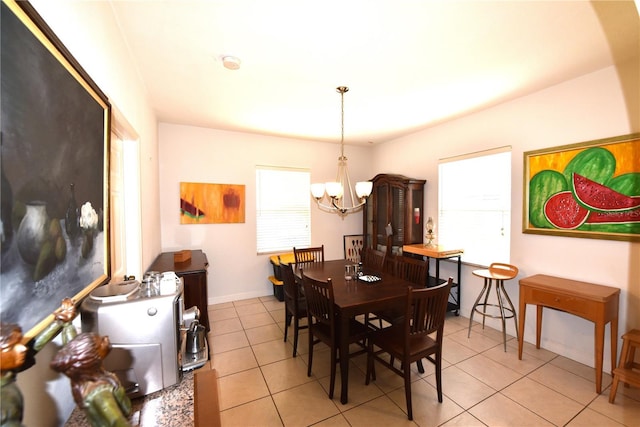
261, 384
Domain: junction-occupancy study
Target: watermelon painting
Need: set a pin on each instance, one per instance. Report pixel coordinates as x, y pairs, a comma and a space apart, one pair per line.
585, 190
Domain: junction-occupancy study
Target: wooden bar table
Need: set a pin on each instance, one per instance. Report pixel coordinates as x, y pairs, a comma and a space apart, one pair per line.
596, 303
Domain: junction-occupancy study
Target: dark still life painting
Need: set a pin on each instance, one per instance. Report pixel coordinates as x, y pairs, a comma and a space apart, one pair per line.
54, 164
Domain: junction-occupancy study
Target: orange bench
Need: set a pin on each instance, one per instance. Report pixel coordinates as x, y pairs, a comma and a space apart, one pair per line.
276, 279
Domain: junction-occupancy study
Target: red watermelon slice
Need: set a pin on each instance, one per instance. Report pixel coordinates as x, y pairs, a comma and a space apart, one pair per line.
598, 197
562, 211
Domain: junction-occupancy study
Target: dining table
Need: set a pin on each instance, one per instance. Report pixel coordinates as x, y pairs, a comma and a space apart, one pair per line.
353, 298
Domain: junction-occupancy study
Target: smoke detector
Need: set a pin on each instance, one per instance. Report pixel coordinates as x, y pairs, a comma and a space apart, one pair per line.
231, 62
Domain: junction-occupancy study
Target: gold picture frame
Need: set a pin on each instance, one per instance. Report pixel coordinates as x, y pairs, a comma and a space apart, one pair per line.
588, 190
55, 173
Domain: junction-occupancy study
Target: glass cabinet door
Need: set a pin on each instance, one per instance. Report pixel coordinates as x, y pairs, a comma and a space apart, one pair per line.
393, 213
381, 217
397, 219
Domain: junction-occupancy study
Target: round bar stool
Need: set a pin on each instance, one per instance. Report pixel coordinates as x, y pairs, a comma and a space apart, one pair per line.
498, 272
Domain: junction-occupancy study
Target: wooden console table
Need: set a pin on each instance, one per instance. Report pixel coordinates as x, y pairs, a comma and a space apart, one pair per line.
596, 303
440, 252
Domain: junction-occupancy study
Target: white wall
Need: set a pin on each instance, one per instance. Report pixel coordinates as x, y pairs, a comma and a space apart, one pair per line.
193, 154
90, 33
588, 108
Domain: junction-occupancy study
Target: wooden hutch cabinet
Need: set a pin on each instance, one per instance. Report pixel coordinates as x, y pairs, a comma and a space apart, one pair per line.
393, 214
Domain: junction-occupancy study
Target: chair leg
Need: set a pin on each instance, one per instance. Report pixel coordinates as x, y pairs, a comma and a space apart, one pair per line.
513, 310
625, 355
310, 359
332, 385
287, 321
486, 299
420, 367
407, 387
474, 307
502, 315
296, 327
438, 364
371, 372
614, 389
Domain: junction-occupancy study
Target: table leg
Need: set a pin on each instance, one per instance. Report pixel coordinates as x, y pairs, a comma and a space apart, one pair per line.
459, 286
523, 312
538, 325
344, 357
614, 342
599, 350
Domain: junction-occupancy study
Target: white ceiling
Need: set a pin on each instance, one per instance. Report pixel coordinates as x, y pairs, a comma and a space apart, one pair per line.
408, 64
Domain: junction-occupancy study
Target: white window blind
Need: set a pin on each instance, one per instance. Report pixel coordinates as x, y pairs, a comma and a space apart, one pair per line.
475, 205
283, 208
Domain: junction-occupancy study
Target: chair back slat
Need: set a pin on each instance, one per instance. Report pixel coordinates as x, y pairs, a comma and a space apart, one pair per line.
320, 301
426, 310
412, 270
373, 259
313, 254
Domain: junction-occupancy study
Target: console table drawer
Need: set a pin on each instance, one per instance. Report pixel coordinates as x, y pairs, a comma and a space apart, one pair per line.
571, 304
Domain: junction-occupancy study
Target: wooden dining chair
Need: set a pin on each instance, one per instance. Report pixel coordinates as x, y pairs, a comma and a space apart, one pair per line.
373, 259
411, 269
313, 254
419, 336
295, 304
322, 322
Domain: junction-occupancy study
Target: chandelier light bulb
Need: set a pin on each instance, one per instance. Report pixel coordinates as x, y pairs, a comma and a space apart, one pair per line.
317, 191
334, 190
363, 189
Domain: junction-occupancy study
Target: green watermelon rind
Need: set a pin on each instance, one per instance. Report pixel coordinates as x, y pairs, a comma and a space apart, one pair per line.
596, 163
627, 184
581, 195
542, 186
621, 229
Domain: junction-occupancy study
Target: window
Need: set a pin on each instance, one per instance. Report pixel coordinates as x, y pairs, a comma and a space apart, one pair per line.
475, 205
283, 212
124, 186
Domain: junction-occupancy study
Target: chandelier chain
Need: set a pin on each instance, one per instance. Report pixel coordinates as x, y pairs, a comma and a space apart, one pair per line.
342, 90
341, 189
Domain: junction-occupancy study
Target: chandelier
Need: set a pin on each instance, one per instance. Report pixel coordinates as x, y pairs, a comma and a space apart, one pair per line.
340, 189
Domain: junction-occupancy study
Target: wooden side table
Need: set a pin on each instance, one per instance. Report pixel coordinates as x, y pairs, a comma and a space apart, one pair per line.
596, 303
438, 253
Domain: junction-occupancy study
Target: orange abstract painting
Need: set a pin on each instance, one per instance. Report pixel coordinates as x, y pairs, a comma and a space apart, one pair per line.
211, 203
